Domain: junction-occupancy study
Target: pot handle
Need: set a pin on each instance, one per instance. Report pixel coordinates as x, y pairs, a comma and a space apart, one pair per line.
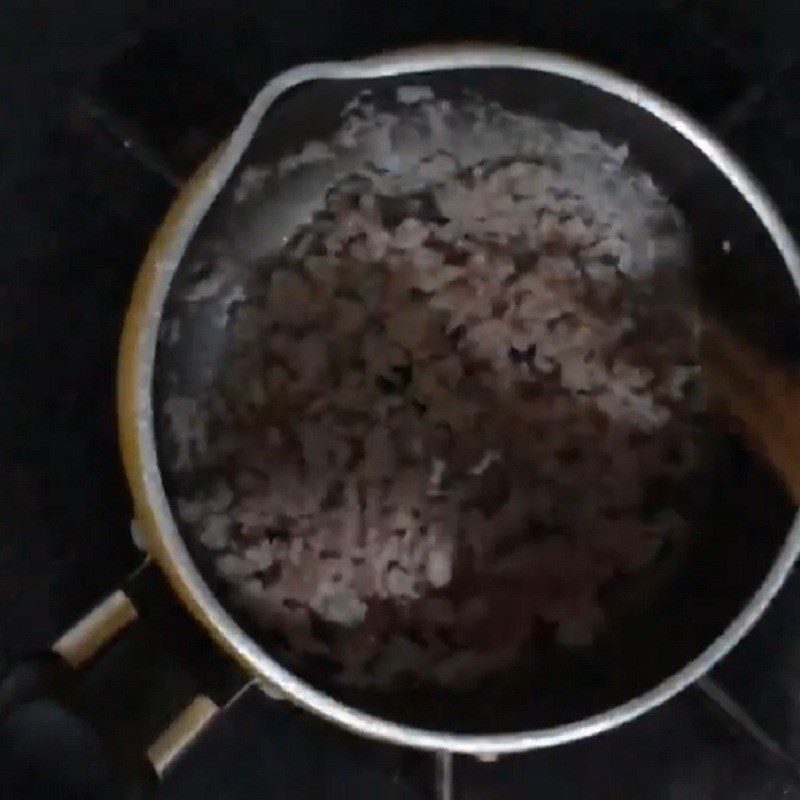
122, 674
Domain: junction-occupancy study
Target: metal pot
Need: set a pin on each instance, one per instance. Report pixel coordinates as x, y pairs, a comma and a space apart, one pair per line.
748, 269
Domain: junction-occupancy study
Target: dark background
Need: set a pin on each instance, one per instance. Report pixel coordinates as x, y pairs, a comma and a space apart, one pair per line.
104, 112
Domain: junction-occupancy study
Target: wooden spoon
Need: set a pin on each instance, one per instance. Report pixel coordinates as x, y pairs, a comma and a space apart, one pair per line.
762, 393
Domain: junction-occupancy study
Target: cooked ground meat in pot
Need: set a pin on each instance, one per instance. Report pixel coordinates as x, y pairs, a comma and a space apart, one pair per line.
458, 406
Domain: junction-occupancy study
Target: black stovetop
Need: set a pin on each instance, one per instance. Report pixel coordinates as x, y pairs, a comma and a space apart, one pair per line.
106, 113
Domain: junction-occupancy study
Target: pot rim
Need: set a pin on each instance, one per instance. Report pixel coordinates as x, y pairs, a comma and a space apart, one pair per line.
137, 361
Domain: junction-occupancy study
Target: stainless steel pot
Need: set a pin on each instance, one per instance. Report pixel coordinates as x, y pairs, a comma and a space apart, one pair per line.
748, 269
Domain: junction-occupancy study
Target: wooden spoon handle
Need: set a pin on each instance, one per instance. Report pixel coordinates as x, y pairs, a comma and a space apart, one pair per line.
763, 394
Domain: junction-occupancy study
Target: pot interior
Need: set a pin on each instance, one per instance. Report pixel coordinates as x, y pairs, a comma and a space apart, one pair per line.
741, 513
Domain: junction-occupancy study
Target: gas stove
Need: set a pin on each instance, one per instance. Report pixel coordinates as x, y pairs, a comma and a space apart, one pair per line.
119, 125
